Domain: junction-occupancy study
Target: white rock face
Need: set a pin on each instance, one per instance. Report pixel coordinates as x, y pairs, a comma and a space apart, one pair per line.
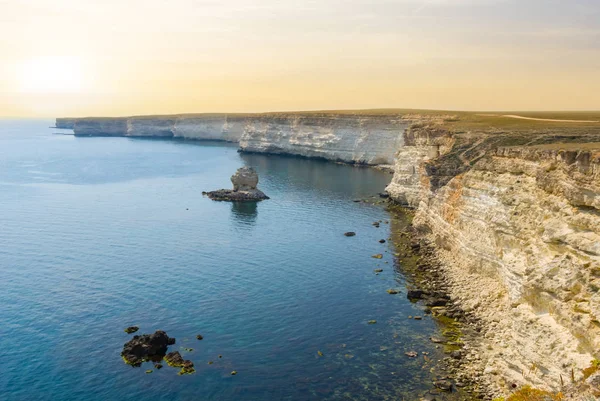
217, 128
152, 127
519, 232
350, 138
100, 126
244, 179
360, 139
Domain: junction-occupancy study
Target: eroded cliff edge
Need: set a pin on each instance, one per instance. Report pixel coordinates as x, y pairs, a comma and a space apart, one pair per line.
515, 219
361, 138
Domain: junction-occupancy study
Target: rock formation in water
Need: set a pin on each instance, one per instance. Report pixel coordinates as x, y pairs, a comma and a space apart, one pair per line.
147, 347
245, 181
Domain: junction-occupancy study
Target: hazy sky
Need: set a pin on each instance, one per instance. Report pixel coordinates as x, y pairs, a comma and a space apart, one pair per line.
123, 57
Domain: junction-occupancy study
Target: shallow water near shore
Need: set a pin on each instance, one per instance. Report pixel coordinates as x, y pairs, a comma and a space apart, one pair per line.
102, 233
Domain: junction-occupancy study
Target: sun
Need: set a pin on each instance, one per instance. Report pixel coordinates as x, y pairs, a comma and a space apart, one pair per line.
51, 75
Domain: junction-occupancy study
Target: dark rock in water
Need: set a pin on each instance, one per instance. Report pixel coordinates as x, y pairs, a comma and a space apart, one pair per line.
378, 270
382, 241
199, 337
384, 195
174, 359
229, 195
443, 385
158, 366
187, 368
131, 329
244, 189
415, 294
350, 234
392, 291
147, 347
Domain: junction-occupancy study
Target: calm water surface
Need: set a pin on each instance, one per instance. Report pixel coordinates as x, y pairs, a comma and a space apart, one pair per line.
97, 234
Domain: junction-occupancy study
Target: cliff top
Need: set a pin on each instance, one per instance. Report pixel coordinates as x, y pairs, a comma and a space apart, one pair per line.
557, 122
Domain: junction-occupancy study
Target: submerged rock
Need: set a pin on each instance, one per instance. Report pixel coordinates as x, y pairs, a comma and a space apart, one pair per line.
147, 347
350, 234
131, 329
392, 291
244, 189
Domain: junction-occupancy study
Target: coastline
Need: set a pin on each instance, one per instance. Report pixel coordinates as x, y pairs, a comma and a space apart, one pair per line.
467, 185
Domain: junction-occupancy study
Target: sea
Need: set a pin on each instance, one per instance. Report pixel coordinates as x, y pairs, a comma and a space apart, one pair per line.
98, 234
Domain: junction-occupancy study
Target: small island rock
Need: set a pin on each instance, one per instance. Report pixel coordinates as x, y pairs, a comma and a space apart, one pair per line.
244, 189
147, 347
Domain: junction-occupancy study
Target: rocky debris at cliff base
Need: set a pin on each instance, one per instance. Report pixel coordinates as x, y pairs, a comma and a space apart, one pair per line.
147, 347
444, 385
244, 189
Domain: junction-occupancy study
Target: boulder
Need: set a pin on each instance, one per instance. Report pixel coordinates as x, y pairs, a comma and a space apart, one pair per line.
147, 347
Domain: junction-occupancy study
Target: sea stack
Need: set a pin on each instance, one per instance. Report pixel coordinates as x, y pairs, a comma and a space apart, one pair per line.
244, 189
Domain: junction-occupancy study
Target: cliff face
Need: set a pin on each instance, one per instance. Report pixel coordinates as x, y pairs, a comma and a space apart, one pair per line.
65, 123
100, 127
518, 228
359, 139
351, 138
218, 128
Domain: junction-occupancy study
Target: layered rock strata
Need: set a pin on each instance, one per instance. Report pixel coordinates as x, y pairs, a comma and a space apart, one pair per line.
345, 137
516, 219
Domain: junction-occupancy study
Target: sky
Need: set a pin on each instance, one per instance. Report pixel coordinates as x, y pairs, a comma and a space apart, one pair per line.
129, 57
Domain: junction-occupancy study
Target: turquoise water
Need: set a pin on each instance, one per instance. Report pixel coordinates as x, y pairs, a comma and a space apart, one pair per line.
97, 234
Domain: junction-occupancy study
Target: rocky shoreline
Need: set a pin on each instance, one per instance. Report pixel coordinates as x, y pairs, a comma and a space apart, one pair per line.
466, 365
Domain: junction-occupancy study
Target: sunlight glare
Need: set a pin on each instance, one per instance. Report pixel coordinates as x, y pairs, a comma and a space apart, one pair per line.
52, 75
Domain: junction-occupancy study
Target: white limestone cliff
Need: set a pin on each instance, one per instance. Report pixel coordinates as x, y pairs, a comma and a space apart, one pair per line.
518, 230
362, 139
